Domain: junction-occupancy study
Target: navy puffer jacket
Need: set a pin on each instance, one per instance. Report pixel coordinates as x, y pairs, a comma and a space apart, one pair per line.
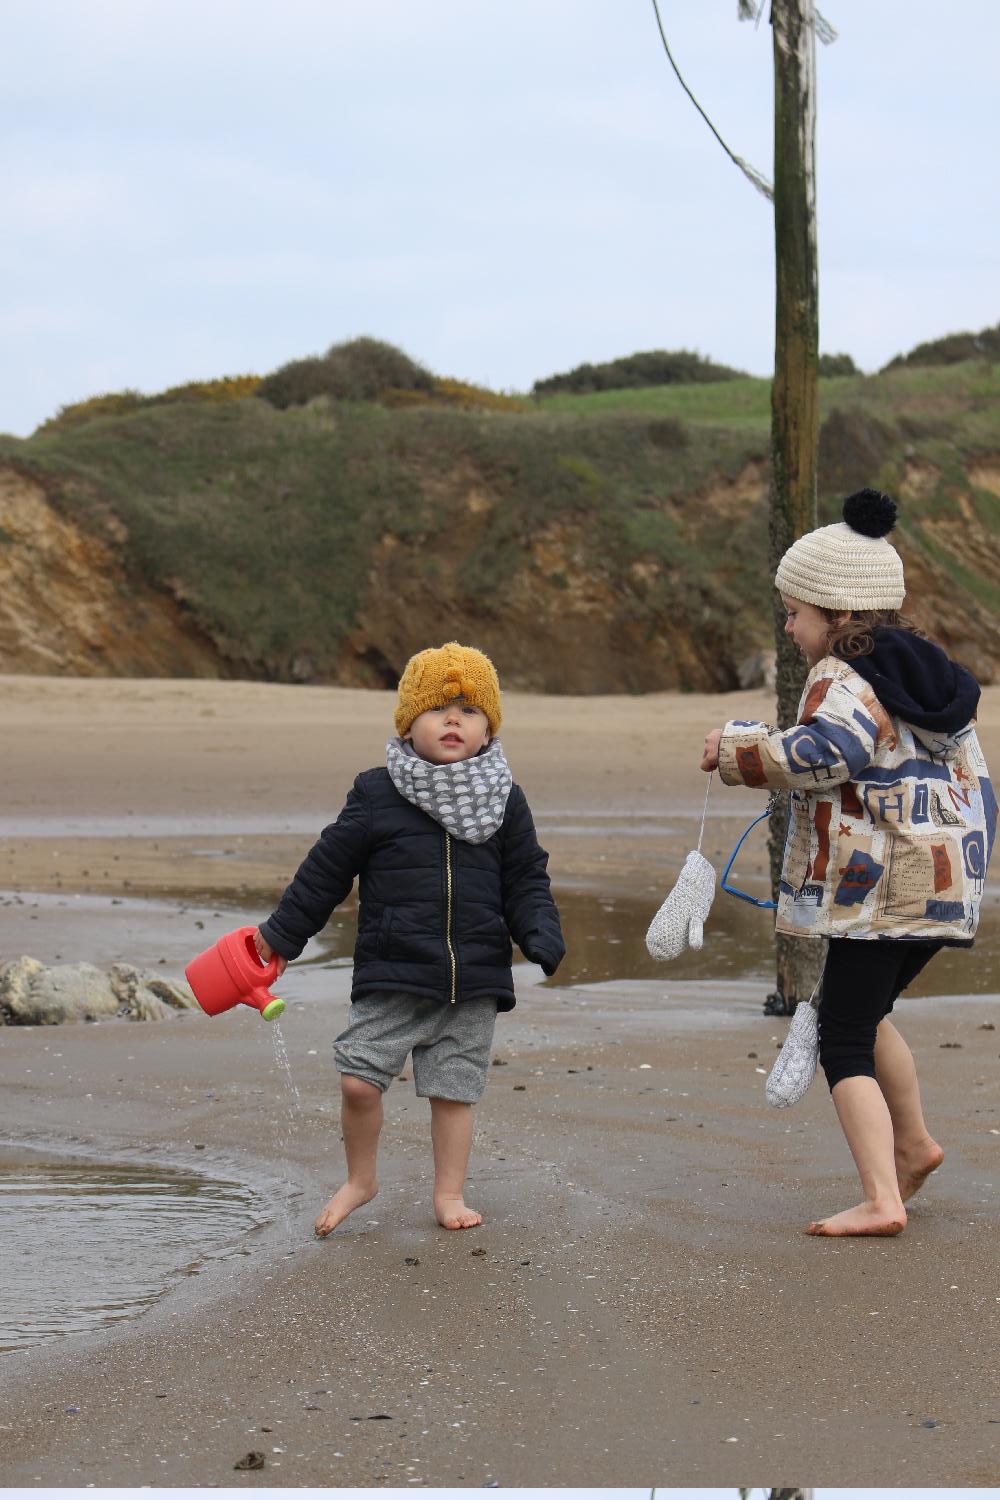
436, 914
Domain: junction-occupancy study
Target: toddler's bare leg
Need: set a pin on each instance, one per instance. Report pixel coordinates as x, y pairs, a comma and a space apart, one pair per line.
361, 1122
866, 1122
917, 1153
451, 1138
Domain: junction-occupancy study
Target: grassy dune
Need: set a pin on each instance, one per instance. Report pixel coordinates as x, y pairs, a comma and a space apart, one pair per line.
264, 523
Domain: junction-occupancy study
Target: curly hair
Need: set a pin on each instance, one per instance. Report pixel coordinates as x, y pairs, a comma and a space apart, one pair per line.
855, 636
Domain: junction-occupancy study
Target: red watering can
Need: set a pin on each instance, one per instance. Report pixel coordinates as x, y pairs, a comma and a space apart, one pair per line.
231, 973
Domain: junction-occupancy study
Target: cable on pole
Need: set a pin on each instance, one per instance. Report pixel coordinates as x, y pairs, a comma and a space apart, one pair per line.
758, 179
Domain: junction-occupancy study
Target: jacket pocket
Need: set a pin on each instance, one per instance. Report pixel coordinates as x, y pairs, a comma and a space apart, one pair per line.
385, 932
501, 940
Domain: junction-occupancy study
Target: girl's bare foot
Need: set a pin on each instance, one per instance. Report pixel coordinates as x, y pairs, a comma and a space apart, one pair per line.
915, 1164
452, 1213
866, 1218
344, 1201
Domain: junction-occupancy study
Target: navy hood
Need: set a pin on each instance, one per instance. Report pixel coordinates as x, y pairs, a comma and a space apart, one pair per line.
918, 682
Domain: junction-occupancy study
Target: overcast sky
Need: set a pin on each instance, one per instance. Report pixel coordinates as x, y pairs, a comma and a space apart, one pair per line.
195, 188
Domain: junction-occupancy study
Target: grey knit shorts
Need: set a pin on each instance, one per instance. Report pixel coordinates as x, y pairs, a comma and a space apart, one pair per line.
450, 1043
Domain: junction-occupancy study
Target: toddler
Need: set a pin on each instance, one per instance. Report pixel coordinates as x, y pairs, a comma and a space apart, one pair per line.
450, 870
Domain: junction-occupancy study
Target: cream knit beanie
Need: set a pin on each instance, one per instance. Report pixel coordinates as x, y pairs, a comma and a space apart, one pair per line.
850, 565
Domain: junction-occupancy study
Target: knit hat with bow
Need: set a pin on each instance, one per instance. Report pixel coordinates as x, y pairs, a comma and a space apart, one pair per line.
850, 565
433, 678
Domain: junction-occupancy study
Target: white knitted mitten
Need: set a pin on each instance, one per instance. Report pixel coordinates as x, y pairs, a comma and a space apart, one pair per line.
680, 920
795, 1064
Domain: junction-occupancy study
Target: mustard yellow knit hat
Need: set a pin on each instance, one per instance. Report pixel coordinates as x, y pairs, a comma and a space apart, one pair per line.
434, 677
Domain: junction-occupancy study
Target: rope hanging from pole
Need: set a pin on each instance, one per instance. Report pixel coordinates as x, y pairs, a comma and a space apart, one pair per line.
749, 10
758, 179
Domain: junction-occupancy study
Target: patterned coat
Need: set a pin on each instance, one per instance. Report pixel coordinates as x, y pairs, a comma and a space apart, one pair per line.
891, 826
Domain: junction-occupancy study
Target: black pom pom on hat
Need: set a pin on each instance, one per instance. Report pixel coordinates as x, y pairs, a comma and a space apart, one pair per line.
870, 512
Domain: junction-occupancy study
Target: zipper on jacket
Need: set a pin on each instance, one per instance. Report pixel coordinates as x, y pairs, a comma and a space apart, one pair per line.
447, 936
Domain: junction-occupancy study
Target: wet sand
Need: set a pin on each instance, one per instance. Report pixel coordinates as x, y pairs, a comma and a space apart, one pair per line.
647, 1310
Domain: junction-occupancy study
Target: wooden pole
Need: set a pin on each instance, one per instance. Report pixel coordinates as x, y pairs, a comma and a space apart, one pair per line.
794, 397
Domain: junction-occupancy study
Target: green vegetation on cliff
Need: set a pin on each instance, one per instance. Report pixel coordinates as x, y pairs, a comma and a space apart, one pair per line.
634, 371
953, 349
614, 541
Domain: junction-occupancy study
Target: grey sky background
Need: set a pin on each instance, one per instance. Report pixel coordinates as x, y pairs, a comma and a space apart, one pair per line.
195, 188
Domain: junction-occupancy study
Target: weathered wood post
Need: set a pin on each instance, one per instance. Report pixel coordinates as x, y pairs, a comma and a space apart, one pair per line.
794, 397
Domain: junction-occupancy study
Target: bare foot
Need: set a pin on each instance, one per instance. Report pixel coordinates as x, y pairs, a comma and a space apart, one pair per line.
915, 1165
344, 1201
452, 1213
866, 1218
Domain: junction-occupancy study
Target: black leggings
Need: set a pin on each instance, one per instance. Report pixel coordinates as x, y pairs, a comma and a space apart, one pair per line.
862, 978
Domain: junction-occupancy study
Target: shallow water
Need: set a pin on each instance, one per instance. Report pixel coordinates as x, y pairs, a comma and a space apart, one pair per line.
71, 824
605, 940
86, 1244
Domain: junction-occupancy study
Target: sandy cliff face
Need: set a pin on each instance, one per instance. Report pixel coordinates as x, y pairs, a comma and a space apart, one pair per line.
563, 622
958, 616
561, 616
67, 606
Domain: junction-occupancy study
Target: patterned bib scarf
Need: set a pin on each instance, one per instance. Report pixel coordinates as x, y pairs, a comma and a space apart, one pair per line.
468, 797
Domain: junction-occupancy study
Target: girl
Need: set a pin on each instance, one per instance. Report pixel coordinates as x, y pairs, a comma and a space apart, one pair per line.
892, 821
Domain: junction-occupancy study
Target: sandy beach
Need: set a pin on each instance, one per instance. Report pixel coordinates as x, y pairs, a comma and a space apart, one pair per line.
640, 1306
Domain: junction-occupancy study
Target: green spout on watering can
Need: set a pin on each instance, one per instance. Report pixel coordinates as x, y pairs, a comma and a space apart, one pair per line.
272, 1010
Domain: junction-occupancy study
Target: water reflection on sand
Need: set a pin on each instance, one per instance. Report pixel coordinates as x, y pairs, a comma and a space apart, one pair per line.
85, 1244
604, 939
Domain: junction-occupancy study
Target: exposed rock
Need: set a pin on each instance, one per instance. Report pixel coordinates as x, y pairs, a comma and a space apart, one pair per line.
38, 996
757, 671
68, 605
33, 995
252, 1460
685, 606
15, 986
854, 444
148, 997
559, 618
